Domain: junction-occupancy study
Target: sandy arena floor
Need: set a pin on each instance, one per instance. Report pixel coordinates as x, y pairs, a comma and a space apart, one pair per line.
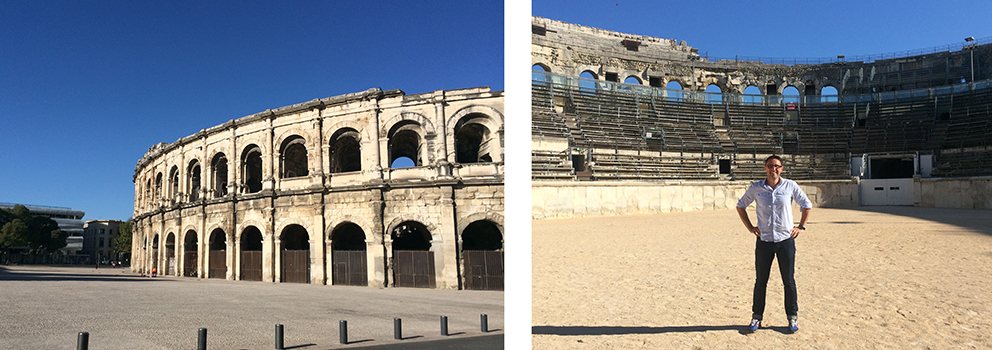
870, 277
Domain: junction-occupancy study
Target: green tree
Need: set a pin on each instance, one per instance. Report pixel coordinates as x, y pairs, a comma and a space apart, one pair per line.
40, 234
122, 243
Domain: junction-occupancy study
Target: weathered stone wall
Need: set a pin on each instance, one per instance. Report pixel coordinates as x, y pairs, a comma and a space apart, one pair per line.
959, 193
574, 199
571, 49
375, 197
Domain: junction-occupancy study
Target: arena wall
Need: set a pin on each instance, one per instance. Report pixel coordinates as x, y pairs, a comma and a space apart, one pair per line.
316, 179
575, 199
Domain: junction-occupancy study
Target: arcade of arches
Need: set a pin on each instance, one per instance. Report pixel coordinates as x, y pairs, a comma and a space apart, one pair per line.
306, 194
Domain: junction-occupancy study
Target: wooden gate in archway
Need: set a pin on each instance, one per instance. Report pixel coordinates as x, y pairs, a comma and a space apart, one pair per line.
189, 264
483, 269
350, 267
413, 268
296, 266
218, 264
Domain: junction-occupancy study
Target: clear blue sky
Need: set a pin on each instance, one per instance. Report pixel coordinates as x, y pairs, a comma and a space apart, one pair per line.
87, 87
785, 28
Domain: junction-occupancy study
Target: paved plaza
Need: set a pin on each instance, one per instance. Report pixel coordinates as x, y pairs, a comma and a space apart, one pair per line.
46, 307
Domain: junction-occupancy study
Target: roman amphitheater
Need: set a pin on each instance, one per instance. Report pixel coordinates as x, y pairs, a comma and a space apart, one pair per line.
641, 148
375, 188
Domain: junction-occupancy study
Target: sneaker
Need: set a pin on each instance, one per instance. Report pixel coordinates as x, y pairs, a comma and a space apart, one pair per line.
793, 324
755, 324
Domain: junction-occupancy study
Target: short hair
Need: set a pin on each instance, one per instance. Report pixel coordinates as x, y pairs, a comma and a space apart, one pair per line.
774, 157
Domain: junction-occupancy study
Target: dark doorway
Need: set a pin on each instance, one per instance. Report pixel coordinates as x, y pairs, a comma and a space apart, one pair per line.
295, 254
170, 254
251, 254
891, 168
413, 262
482, 249
348, 255
190, 258
218, 254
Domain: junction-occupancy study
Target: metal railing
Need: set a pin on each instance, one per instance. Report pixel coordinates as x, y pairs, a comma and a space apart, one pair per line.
858, 58
593, 86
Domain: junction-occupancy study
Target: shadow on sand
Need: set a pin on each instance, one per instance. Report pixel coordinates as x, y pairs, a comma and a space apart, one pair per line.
609, 330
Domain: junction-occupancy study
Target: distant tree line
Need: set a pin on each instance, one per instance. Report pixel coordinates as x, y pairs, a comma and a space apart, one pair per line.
122, 244
20, 230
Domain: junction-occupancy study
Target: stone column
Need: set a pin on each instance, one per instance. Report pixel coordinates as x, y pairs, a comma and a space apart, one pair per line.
446, 255
376, 251
277, 258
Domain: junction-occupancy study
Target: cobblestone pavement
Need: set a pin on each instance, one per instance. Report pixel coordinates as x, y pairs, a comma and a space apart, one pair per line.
46, 308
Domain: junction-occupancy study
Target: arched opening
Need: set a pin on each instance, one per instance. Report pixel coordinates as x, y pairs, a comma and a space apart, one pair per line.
752, 94
218, 254
348, 255
251, 169
404, 141
170, 254
714, 94
155, 255
148, 192
251, 254
346, 151
472, 142
673, 90
402, 162
219, 168
632, 80
587, 80
790, 94
482, 251
174, 182
295, 254
190, 254
194, 180
413, 262
294, 158
828, 94
158, 186
538, 72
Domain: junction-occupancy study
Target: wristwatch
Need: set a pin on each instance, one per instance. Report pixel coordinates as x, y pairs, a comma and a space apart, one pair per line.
801, 227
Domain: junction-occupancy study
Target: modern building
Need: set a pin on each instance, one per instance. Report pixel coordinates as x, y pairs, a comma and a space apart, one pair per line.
98, 240
70, 221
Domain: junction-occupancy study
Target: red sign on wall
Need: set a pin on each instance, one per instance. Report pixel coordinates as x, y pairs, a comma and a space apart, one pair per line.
791, 106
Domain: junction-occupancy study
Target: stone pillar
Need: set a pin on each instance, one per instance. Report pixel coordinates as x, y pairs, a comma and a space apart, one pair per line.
445, 253
317, 255
268, 182
229, 256
268, 247
277, 258
377, 252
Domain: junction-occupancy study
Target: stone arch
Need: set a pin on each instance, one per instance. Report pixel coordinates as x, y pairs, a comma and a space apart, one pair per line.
251, 169
191, 252
295, 254
633, 79
170, 254
218, 174
282, 224
250, 241
411, 235
294, 160
482, 235
475, 133
345, 150
714, 93
194, 176
431, 226
417, 118
217, 253
173, 182
262, 226
158, 186
348, 235
540, 66
407, 139
591, 74
362, 223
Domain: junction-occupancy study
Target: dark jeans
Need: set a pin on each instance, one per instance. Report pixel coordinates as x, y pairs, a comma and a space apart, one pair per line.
764, 253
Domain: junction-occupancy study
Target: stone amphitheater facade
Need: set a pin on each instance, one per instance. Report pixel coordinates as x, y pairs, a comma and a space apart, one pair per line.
308, 193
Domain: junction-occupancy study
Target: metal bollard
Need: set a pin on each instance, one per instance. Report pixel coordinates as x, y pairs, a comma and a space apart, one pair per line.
444, 325
201, 339
343, 330
484, 319
397, 329
279, 334
83, 341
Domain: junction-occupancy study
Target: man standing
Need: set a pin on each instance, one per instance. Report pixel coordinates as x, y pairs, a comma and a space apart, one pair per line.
773, 198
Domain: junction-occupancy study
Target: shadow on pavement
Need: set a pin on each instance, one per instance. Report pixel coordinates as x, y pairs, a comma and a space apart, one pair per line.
7, 274
485, 342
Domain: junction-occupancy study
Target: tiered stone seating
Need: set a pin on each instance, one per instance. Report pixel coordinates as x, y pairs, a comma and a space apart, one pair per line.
550, 165
647, 168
